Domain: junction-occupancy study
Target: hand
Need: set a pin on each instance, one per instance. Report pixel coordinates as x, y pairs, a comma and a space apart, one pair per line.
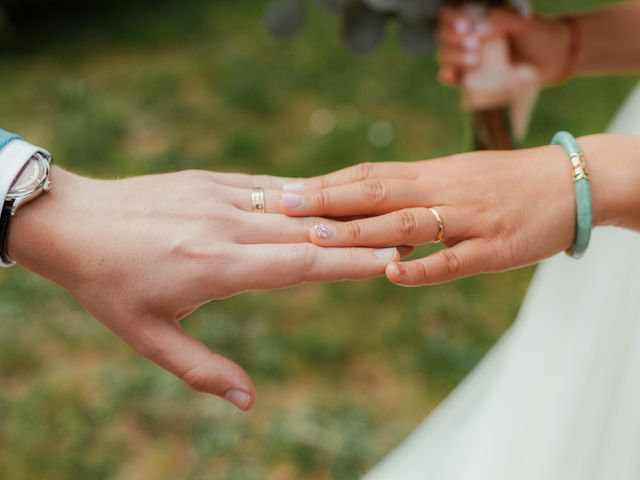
142, 253
543, 43
501, 210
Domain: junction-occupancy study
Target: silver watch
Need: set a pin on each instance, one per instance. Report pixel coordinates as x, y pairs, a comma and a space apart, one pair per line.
32, 181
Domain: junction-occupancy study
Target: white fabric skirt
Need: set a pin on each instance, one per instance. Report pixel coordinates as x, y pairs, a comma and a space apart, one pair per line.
558, 397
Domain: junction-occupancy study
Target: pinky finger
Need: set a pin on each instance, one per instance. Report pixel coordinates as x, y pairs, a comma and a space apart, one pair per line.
449, 76
462, 260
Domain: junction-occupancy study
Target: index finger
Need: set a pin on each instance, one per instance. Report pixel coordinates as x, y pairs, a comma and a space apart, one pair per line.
364, 171
163, 342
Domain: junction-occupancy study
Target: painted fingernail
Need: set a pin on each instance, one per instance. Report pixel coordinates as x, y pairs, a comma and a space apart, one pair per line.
397, 269
470, 59
386, 253
291, 200
238, 398
483, 28
294, 187
323, 231
471, 42
462, 26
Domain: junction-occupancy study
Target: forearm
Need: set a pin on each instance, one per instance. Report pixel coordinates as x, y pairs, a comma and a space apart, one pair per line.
609, 39
613, 162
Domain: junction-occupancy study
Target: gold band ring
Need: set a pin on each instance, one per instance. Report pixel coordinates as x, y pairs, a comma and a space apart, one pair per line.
436, 214
257, 200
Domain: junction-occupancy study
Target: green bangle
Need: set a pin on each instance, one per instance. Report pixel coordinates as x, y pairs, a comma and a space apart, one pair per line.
584, 210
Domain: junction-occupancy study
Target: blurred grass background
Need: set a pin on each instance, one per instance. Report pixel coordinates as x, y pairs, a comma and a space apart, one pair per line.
343, 371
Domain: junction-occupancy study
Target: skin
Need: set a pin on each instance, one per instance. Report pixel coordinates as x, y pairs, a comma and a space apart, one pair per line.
142, 253
608, 41
501, 210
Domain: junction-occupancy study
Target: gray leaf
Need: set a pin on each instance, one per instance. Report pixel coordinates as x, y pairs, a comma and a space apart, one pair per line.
419, 10
363, 29
284, 18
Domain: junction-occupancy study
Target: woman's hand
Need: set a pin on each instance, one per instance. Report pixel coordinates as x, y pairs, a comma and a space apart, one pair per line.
141, 253
543, 43
500, 210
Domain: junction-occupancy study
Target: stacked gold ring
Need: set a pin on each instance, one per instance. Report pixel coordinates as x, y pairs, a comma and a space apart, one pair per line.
436, 214
257, 200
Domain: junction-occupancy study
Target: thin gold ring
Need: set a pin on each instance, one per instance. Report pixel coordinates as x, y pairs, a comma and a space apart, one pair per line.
257, 200
436, 214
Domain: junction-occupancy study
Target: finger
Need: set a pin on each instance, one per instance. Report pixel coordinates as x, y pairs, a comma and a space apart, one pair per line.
243, 180
273, 228
412, 226
450, 76
369, 197
458, 58
449, 39
359, 173
166, 344
455, 19
278, 266
462, 260
242, 198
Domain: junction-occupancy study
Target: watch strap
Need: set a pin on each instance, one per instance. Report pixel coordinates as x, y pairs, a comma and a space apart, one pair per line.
5, 223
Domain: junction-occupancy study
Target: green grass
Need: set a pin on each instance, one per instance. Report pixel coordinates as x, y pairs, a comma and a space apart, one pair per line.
343, 371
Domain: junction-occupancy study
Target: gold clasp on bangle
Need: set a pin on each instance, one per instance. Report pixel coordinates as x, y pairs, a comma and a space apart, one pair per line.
579, 167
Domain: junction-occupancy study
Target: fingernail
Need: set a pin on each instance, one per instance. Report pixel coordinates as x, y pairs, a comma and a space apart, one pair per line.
294, 187
483, 28
470, 59
291, 200
386, 253
462, 26
323, 231
471, 42
397, 269
238, 398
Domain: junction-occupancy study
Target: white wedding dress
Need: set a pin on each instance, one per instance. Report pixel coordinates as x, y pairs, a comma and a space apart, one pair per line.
558, 397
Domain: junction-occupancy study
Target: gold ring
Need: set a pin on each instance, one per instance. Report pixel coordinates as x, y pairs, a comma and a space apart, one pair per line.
440, 235
257, 200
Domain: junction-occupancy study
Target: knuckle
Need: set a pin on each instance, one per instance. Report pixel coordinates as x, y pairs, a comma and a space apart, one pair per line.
405, 222
362, 171
354, 230
199, 379
305, 255
374, 190
422, 274
450, 261
323, 200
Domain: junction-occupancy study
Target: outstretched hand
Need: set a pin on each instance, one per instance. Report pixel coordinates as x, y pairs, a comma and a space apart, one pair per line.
500, 210
142, 253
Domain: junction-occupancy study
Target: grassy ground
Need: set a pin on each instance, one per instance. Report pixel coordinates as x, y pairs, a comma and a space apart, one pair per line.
343, 371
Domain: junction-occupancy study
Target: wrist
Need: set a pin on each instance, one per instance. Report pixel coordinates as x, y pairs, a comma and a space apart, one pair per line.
613, 162
39, 229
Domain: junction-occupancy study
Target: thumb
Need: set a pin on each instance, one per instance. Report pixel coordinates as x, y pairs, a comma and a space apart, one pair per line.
166, 344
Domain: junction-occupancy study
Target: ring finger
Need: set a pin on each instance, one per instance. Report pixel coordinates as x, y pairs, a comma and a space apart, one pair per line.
411, 226
243, 198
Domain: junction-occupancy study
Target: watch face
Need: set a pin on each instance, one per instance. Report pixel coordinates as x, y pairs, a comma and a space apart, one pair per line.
30, 177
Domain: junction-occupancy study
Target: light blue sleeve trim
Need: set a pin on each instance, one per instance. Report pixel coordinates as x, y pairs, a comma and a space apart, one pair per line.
6, 137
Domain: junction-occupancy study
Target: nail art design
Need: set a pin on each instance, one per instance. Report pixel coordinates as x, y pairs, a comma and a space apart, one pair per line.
471, 42
462, 26
323, 231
